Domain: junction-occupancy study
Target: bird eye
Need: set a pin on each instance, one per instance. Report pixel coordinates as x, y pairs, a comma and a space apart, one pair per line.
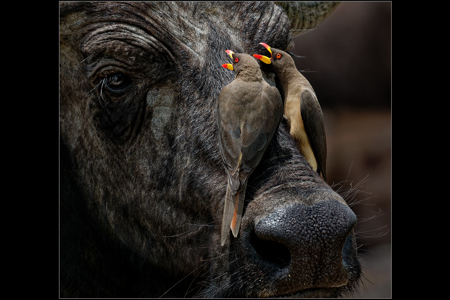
236, 59
278, 55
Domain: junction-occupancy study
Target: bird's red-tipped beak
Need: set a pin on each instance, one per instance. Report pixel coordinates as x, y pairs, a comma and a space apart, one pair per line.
228, 66
230, 53
263, 58
267, 47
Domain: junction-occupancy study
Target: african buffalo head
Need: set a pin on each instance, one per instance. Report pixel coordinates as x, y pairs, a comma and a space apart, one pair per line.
142, 184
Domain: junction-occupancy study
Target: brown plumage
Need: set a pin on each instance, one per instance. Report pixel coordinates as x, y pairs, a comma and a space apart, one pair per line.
302, 109
248, 114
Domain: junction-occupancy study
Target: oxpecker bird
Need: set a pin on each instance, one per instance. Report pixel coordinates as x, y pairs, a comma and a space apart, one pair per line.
248, 114
301, 108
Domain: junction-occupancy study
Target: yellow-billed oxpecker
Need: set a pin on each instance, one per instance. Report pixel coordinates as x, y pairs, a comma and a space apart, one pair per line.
248, 114
301, 108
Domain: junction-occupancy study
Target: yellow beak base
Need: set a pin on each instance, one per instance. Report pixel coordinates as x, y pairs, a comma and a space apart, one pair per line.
263, 58
228, 66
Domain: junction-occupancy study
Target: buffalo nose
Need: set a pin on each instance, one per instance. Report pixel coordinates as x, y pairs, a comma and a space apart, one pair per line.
305, 243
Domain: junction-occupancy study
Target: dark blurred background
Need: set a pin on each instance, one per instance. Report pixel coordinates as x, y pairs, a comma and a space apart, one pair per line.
348, 63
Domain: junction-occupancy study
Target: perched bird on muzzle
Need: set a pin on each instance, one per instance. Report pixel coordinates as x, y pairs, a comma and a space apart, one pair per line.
248, 114
301, 108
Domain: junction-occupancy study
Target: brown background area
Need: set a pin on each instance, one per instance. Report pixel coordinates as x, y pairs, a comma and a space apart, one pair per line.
348, 63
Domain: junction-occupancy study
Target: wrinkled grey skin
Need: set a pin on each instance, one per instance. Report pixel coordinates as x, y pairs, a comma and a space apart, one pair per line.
142, 184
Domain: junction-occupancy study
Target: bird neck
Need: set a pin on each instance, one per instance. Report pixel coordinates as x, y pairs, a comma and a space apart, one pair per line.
249, 74
291, 77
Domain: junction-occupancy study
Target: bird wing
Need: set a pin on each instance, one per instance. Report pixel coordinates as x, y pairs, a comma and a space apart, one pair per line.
314, 127
247, 126
229, 130
264, 119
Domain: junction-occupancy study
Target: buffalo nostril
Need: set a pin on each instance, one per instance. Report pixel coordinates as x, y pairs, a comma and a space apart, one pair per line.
308, 242
271, 252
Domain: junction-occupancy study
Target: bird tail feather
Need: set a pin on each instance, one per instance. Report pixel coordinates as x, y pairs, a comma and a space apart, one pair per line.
238, 209
232, 212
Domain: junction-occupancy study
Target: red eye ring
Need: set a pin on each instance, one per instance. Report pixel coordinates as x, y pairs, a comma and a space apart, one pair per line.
278, 55
236, 59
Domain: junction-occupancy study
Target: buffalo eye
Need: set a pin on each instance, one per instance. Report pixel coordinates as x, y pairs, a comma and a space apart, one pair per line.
117, 83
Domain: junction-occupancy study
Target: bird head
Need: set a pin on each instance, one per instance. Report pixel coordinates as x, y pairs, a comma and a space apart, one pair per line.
243, 64
277, 59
